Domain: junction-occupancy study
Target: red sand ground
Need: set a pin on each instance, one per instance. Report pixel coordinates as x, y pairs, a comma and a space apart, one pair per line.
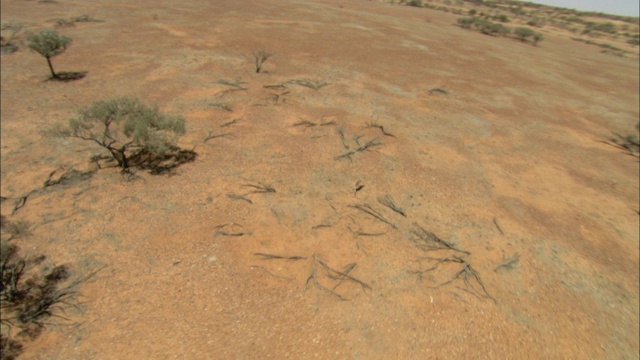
517, 139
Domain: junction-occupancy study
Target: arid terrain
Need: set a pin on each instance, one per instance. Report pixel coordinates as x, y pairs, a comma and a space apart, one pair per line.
389, 186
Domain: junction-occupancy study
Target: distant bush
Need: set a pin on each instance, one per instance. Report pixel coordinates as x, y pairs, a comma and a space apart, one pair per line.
8, 44
502, 18
489, 28
635, 41
534, 22
608, 27
466, 22
416, 3
517, 10
537, 37
49, 44
523, 33
484, 26
472, 12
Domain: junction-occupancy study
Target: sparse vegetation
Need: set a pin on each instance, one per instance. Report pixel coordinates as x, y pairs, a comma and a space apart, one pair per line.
605, 46
16, 229
30, 293
49, 43
8, 44
537, 37
260, 58
629, 143
523, 33
73, 20
132, 132
608, 27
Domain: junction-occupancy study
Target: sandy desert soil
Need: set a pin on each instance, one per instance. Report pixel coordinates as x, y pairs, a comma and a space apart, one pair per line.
512, 160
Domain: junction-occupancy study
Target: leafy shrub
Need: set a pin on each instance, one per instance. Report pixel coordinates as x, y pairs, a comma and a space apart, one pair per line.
472, 12
48, 44
523, 33
489, 28
537, 37
128, 129
466, 22
608, 27
502, 18
7, 44
534, 22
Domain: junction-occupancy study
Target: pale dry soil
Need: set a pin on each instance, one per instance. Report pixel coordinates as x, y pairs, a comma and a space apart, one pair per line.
510, 161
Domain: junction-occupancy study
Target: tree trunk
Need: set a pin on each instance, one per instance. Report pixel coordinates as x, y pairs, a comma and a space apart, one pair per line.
121, 157
53, 73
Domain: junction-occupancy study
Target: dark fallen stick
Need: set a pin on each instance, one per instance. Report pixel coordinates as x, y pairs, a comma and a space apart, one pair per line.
508, 263
343, 274
306, 123
229, 123
260, 188
495, 221
224, 233
367, 209
313, 277
211, 136
388, 202
381, 129
439, 244
239, 197
272, 256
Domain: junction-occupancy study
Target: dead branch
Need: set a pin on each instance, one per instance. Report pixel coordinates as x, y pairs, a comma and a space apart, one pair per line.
229, 123
384, 132
260, 188
495, 222
508, 263
239, 197
367, 209
272, 256
468, 275
305, 123
432, 242
211, 136
388, 202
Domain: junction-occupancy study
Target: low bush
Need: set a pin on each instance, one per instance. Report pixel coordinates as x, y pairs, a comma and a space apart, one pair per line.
132, 132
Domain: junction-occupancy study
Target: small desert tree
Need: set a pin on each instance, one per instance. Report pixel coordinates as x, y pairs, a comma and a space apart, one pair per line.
125, 127
537, 37
48, 43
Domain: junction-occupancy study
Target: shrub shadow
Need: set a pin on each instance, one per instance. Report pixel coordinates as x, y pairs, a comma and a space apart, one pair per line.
158, 164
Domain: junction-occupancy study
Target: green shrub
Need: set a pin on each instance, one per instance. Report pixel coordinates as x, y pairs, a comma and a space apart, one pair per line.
537, 37
126, 127
523, 33
608, 27
472, 12
466, 22
489, 28
48, 44
534, 22
502, 18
